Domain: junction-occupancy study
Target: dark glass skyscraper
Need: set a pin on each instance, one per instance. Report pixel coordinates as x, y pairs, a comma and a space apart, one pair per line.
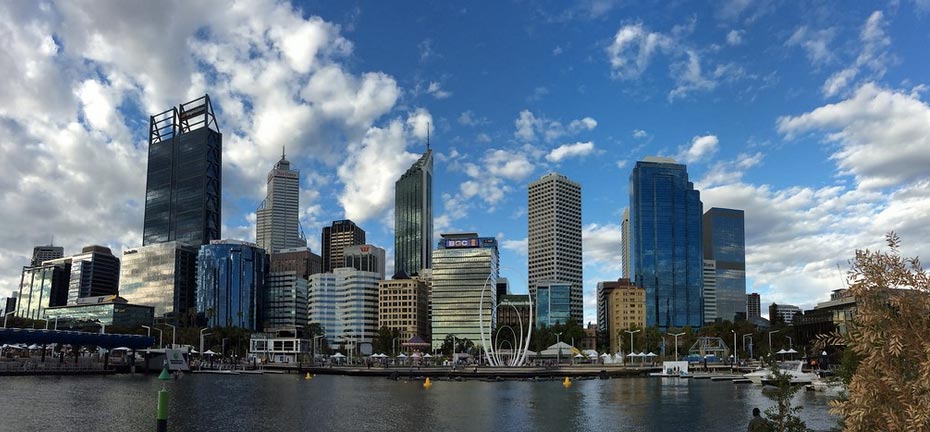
724, 241
665, 232
413, 217
184, 181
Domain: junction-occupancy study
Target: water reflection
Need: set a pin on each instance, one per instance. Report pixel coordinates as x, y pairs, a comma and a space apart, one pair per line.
288, 402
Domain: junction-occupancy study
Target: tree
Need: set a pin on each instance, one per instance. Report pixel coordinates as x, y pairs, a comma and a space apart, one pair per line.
783, 416
890, 336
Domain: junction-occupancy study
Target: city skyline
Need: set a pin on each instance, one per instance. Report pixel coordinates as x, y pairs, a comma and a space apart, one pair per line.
784, 112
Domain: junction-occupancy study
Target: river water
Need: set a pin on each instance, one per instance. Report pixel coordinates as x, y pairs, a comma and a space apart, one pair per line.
291, 403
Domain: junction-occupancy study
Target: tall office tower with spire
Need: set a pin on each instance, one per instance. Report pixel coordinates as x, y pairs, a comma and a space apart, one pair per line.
41, 254
554, 242
183, 190
413, 217
277, 218
665, 230
335, 238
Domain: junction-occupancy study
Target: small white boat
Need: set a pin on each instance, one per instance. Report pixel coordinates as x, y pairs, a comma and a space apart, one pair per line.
792, 368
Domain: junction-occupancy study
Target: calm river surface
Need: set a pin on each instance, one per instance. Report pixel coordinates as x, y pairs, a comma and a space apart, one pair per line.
290, 403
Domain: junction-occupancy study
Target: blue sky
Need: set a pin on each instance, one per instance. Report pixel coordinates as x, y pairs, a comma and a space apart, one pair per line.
812, 117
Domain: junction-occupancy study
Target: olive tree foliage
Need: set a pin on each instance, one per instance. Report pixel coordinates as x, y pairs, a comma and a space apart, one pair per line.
890, 335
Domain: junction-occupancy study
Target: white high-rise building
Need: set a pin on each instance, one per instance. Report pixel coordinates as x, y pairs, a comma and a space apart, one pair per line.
345, 303
554, 243
365, 258
277, 218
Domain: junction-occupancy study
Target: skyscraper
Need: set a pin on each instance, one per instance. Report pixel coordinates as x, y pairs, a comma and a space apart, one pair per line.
725, 242
413, 217
277, 218
163, 276
230, 284
94, 272
753, 306
335, 238
710, 291
553, 301
183, 190
44, 253
554, 242
463, 265
42, 287
625, 243
665, 231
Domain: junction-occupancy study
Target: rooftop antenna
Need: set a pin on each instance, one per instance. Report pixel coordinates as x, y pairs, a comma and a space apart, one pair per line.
427, 135
282, 152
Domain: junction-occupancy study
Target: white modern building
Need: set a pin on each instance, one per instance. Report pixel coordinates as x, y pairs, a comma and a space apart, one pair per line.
345, 303
554, 242
277, 224
464, 265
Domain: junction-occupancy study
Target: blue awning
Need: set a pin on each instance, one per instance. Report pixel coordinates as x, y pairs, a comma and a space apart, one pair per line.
103, 340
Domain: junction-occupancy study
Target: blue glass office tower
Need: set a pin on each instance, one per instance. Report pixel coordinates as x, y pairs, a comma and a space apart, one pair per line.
665, 231
553, 300
230, 284
724, 238
413, 217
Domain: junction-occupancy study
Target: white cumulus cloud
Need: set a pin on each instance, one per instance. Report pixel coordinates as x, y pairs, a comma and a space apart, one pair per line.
564, 151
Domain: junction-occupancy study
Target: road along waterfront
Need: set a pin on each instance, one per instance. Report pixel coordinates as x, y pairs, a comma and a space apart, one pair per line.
286, 402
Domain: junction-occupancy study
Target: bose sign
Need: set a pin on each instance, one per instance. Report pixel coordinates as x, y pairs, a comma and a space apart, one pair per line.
461, 243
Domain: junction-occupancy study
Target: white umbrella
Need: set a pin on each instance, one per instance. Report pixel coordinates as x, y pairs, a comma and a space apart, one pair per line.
338, 355
592, 355
427, 356
782, 351
791, 351
34, 347
632, 354
605, 355
209, 352
579, 356
651, 354
402, 355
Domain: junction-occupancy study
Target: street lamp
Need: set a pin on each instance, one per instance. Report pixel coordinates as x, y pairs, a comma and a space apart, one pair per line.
174, 333
202, 334
150, 333
770, 339
558, 355
790, 342
7, 315
750, 344
734, 347
631, 332
676, 343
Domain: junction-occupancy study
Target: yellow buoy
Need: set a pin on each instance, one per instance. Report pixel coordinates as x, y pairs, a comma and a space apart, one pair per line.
567, 383
308, 376
427, 384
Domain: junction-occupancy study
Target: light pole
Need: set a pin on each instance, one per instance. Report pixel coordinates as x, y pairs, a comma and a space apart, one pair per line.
224, 347
174, 333
150, 333
750, 344
5, 316
558, 354
676, 343
202, 334
771, 351
631, 332
734, 347
394, 346
790, 342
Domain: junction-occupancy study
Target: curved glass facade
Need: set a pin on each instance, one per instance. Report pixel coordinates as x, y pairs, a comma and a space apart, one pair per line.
230, 284
461, 268
665, 229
